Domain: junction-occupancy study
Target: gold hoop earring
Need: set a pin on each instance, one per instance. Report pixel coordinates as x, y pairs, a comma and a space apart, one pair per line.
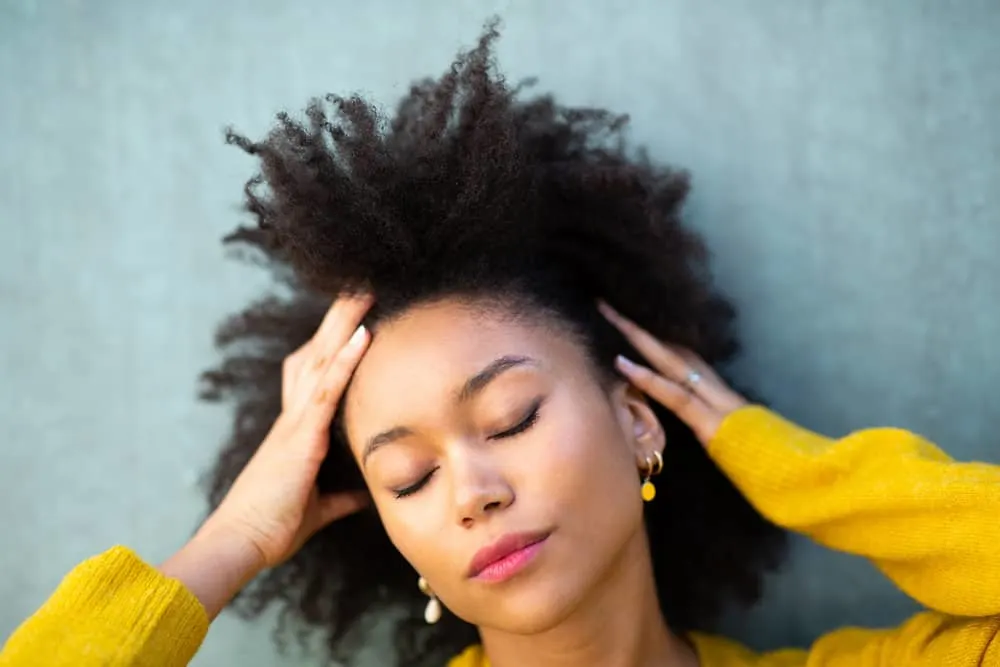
432, 612
653, 467
658, 461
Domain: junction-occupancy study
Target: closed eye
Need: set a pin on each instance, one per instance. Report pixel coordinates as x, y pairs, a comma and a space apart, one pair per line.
527, 422
413, 488
523, 425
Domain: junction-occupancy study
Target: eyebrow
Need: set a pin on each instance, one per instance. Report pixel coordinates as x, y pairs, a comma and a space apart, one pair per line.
469, 390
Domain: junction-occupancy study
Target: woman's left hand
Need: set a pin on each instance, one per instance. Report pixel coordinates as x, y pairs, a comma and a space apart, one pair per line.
679, 379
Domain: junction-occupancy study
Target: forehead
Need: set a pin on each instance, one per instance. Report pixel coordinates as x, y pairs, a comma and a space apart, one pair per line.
420, 358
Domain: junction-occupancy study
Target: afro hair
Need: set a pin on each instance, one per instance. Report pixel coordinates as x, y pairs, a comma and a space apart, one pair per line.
472, 190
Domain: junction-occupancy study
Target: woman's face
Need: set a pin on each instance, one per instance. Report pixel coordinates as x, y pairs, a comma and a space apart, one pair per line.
482, 435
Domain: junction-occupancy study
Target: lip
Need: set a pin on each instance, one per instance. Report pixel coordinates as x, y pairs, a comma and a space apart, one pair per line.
507, 556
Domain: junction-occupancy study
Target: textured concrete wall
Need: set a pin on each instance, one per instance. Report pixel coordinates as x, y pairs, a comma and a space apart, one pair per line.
846, 158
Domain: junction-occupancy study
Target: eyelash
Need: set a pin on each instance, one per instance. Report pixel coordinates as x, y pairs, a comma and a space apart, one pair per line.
518, 429
521, 426
413, 488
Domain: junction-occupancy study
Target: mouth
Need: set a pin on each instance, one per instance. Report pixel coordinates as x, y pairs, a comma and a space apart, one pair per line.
507, 556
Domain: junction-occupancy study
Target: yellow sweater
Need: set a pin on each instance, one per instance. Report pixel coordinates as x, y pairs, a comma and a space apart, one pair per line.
930, 524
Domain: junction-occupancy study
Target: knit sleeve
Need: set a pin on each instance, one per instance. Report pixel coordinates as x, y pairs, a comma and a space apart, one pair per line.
930, 524
929, 639
112, 610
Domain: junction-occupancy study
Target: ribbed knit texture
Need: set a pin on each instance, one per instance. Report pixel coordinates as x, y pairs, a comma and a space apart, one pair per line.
112, 610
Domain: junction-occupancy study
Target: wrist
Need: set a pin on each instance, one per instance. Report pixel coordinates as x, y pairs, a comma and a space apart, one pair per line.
215, 565
237, 552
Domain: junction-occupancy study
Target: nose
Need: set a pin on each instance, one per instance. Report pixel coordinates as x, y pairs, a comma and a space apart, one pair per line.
480, 489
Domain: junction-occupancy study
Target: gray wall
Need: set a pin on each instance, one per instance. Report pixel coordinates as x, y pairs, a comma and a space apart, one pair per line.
846, 159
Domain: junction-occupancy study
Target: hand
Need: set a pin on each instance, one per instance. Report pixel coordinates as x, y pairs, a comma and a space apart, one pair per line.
680, 380
274, 505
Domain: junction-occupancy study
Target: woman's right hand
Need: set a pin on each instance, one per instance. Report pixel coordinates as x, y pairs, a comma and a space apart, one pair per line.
274, 505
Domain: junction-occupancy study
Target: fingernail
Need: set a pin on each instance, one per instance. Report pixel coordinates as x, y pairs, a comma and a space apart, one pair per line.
358, 337
605, 309
626, 365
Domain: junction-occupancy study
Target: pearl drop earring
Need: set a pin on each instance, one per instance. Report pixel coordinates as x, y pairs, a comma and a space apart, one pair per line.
432, 612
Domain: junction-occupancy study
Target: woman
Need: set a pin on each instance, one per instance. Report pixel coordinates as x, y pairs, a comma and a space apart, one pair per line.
474, 443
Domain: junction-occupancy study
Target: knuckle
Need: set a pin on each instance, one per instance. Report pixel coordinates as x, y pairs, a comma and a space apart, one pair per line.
293, 361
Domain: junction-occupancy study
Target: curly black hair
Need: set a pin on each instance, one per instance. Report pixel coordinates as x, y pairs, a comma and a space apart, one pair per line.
471, 191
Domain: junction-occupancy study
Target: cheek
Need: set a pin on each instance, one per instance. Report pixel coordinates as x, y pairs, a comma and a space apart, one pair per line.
414, 528
573, 471
586, 470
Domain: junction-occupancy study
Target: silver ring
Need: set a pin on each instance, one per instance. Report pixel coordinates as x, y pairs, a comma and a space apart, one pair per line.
692, 380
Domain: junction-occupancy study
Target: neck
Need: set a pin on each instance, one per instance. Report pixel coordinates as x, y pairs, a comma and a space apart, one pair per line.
619, 625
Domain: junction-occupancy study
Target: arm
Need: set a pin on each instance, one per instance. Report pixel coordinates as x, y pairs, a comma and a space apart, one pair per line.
113, 610
930, 639
116, 610
930, 524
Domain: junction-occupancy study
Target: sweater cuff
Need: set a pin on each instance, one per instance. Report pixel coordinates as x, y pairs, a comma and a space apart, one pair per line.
755, 438
143, 608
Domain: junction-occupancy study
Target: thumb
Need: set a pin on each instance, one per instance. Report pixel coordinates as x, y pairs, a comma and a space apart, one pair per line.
338, 505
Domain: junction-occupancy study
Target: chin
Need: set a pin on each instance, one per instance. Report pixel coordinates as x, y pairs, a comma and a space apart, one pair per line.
535, 605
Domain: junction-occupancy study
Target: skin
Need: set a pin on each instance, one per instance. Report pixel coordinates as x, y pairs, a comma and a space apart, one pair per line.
273, 506
574, 473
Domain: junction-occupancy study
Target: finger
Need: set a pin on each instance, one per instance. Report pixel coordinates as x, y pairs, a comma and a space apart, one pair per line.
677, 363
692, 359
661, 357
689, 408
342, 318
326, 394
340, 321
711, 387
291, 374
708, 384
338, 505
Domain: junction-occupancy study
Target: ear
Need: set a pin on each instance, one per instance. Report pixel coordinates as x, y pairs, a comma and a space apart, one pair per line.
640, 426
